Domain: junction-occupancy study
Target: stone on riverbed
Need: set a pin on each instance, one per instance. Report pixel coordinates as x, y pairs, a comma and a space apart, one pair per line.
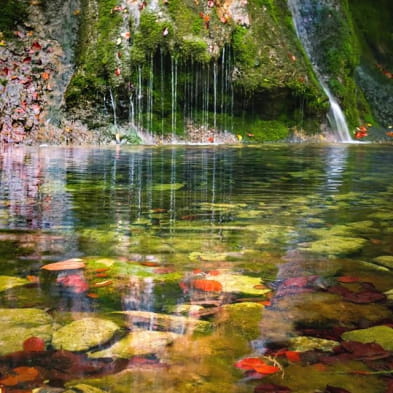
305, 343
137, 343
173, 323
8, 282
84, 334
19, 324
382, 335
82, 388
385, 260
335, 245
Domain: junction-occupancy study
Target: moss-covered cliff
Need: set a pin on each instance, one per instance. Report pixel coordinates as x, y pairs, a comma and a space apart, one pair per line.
177, 66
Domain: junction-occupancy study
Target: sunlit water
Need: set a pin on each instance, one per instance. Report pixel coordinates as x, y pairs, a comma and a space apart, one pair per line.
200, 257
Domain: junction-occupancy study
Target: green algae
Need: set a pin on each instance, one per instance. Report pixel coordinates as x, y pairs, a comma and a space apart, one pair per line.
8, 282
83, 334
304, 343
335, 245
17, 325
382, 335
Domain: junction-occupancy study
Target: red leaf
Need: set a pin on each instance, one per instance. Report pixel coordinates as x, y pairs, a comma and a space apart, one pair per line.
257, 365
207, 285
117, 71
293, 356
34, 344
20, 375
36, 46
271, 388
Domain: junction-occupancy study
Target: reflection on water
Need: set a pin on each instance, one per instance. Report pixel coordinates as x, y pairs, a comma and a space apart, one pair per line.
205, 269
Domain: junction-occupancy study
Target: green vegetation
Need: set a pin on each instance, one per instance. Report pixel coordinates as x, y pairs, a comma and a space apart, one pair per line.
12, 13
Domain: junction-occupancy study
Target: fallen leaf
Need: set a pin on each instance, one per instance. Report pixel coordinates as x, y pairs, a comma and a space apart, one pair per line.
117, 71
257, 365
20, 375
34, 344
348, 279
33, 279
103, 284
36, 46
361, 351
69, 264
207, 285
293, 356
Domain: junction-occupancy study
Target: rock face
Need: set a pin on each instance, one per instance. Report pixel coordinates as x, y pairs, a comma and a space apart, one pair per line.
180, 67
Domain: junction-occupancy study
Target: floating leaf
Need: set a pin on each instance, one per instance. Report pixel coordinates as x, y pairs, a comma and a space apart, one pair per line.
69, 264
207, 285
293, 356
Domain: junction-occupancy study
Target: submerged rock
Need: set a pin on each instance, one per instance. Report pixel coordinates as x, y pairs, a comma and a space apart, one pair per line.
17, 325
82, 388
173, 323
335, 245
241, 284
84, 334
136, 344
305, 343
382, 335
8, 282
385, 260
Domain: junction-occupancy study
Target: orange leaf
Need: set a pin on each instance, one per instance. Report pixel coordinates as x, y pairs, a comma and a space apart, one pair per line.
293, 356
214, 272
34, 344
257, 365
21, 374
45, 76
92, 295
103, 283
33, 279
69, 264
207, 285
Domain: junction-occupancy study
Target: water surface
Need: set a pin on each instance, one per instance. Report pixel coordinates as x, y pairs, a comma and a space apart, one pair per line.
196, 260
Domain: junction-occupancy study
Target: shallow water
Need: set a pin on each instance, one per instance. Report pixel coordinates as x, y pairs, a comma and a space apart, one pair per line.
200, 257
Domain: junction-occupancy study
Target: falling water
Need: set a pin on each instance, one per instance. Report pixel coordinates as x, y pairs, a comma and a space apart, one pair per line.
173, 95
215, 95
336, 117
113, 104
150, 96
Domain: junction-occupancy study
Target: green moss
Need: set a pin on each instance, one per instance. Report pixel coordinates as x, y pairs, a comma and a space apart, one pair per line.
12, 13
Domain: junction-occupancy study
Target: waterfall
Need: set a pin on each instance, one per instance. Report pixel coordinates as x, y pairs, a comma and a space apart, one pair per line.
113, 104
300, 12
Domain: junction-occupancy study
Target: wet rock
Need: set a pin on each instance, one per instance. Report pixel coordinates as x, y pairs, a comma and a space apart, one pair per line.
8, 282
82, 388
382, 335
173, 323
238, 283
384, 260
137, 343
335, 245
305, 343
17, 325
83, 334
241, 318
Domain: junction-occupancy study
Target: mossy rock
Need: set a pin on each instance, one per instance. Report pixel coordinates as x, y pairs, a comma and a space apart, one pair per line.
167, 187
239, 283
382, 335
241, 319
136, 344
82, 388
8, 282
83, 334
336, 245
173, 323
17, 325
384, 260
305, 343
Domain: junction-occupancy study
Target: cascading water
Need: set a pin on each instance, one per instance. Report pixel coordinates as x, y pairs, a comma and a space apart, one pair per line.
302, 13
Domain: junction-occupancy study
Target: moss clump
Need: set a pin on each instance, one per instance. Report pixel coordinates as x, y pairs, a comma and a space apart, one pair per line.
382, 335
12, 13
336, 245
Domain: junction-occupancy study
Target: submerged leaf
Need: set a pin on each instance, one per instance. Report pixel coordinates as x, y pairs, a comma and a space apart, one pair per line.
257, 365
207, 285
